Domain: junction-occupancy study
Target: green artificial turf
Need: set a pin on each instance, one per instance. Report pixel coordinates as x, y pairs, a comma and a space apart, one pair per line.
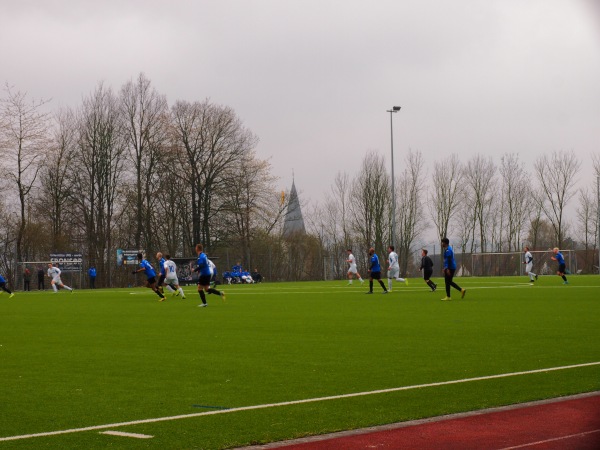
111, 356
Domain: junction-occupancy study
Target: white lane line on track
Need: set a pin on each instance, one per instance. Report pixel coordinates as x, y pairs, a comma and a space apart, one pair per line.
294, 402
570, 436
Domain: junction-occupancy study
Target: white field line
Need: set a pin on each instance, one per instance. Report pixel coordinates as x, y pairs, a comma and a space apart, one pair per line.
294, 402
131, 435
570, 436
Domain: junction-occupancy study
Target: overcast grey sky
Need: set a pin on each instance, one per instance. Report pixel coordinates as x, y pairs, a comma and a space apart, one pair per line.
313, 78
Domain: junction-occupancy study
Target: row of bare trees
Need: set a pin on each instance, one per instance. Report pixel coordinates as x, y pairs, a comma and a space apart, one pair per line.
481, 206
126, 170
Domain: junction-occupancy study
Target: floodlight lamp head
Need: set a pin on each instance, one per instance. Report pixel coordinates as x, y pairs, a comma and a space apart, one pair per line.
396, 108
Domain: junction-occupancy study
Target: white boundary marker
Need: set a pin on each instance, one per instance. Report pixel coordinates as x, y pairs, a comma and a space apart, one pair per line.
294, 402
131, 435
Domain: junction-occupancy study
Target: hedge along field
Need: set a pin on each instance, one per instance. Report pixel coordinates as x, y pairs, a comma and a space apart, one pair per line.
102, 357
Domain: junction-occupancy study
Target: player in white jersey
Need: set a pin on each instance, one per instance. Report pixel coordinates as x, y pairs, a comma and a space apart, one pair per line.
529, 265
54, 273
171, 279
394, 268
352, 270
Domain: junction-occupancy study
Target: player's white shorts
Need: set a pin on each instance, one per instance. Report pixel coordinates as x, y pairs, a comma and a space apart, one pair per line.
352, 269
172, 280
57, 280
393, 272
528, 267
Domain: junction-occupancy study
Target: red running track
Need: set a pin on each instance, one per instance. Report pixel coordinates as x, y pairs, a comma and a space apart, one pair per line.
572, 423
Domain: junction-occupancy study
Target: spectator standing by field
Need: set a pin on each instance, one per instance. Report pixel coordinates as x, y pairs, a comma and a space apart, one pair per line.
26, 279
40, 275
92, 275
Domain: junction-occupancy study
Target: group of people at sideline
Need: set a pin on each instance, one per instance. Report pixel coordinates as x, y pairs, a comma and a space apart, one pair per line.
448, 268
239, 275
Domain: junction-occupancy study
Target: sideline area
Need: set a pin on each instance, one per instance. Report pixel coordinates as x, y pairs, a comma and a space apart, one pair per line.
561, 423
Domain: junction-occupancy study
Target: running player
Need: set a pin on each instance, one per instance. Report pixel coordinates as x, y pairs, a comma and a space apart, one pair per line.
203, 270
352, 270
4, 288
562, 268
529, 265
427, 268
375, 272
54, 273
147, 268
171, 279
450, 269
393, 271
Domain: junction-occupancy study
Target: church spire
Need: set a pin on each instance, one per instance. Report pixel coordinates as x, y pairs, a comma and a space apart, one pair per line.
293, 222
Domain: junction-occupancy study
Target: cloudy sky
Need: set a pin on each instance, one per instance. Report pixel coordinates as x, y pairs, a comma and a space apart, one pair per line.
313, 78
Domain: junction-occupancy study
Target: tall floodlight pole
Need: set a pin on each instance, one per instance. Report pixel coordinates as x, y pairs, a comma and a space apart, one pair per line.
394, 109
598, 219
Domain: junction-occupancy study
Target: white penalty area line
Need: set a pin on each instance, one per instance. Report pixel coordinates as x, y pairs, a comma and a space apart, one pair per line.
131, 435
295, 402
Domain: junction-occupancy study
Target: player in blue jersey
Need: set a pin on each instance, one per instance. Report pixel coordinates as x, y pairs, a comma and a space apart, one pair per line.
162, 272
204, 276
375, 271
150, 273
562, 267
4, 288
450, 269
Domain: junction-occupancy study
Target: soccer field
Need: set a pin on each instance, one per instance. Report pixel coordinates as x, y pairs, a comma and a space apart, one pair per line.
283, 360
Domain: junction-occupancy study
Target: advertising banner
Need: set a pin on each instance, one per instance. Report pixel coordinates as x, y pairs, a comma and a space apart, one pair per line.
127, 257
67, 262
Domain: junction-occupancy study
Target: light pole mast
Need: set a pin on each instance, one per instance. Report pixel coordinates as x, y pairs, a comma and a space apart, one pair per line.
394, 109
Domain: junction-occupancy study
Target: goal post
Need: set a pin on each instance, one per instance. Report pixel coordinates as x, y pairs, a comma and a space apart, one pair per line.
511, 263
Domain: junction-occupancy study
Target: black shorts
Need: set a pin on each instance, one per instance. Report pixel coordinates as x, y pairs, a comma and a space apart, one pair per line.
376, 275
161, 279
562, 268
427, 274
151, 280
204, 280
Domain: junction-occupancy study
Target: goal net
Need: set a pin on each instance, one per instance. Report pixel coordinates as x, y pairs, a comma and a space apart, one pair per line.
511, 264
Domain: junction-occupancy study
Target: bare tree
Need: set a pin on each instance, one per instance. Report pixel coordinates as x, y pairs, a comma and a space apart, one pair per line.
516, 199
250, 199
587, 225
56, 186
98, 170
480, 181
23, 139
410, 209
447, 183
213, 138
145, 121
372, 193
556, 176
